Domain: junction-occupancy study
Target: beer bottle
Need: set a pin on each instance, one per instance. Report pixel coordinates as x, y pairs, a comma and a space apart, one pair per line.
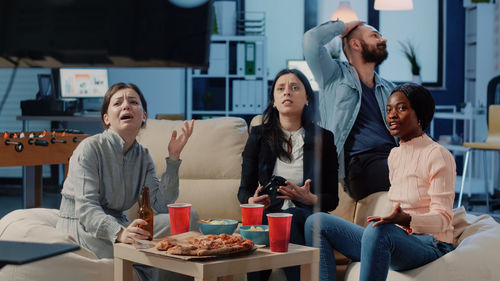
145, 211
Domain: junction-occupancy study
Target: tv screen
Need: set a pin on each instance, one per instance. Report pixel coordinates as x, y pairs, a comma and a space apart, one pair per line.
83, 82
123, 33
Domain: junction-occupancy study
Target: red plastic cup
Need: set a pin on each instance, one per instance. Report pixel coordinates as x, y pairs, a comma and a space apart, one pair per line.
180, 216
279, 231
251, 214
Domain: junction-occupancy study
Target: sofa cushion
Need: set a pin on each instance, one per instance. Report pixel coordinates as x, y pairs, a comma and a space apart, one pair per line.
211, 162
212, 199
376, 204
213, 151
346, 206
38, 225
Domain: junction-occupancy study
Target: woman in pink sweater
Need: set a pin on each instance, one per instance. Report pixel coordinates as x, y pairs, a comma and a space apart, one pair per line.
422, 175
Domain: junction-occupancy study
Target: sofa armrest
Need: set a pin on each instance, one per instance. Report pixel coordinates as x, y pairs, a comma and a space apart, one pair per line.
38, 225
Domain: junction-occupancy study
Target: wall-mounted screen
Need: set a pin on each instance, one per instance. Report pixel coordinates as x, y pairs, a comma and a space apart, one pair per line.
83, 82
304, 68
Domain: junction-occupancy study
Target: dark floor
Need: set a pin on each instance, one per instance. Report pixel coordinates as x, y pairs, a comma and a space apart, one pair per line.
11, 199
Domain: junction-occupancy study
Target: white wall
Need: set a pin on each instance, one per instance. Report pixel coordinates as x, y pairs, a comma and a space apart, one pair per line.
163, 88
418, 26
284, 30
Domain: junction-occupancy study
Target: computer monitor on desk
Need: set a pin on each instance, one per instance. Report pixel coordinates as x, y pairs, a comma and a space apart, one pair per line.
89, 85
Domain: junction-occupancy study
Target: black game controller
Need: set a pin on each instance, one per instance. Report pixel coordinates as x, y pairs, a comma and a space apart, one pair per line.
271, 188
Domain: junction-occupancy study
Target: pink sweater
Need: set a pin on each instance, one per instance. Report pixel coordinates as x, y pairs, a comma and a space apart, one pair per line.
422, 175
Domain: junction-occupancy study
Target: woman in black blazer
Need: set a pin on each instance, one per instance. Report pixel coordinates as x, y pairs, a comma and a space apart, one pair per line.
285, 145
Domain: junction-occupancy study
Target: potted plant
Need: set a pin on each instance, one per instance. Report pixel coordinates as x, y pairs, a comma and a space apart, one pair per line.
409, 52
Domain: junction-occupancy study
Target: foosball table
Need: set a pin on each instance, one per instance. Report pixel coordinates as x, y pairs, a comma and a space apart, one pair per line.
35, 149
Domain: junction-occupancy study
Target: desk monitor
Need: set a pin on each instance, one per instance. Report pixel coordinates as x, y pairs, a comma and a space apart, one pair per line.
304, 68
83, 82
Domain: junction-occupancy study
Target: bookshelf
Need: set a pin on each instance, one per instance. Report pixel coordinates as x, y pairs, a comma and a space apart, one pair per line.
235, 83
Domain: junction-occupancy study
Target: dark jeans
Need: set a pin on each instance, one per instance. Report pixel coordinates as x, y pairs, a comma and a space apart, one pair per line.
366, 173
296, 236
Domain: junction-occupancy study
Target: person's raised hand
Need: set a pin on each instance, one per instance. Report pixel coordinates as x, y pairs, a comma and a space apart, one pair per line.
176, 144
298, 193
350, 26
132, 232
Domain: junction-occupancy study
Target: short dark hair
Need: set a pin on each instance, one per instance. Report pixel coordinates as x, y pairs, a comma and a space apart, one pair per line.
270, 119
421, 101
115, 88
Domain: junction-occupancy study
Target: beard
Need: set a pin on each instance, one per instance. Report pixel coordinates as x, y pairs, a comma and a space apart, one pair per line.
374, 54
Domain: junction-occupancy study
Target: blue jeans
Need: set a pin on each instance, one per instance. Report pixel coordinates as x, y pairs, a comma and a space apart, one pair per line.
378, 248
296, 236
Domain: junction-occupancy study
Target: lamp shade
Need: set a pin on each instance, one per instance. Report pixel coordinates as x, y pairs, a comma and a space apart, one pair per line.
393, 5
344, 12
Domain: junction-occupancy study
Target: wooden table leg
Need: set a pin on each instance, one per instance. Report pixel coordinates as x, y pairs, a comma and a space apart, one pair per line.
32, 184
123, 270
310, 271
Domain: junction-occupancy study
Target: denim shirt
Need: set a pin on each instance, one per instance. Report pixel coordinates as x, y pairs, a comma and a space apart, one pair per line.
340, 88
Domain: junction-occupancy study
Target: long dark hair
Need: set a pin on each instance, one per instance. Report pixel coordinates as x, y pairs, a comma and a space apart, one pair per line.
272, 131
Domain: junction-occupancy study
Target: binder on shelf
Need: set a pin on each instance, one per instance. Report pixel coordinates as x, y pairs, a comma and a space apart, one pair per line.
251, 97
240, 59
218, 60
250, 58
236, 95
259, 97
259, 58
243, 96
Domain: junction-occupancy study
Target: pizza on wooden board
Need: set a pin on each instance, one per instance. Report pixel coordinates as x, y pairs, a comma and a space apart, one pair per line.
205, 245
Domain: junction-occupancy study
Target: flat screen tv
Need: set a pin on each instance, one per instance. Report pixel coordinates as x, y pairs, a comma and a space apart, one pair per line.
104, 33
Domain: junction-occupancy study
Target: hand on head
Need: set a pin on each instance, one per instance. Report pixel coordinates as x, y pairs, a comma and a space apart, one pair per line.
350, 26
263, 199
132, 232
298, 193
176, 144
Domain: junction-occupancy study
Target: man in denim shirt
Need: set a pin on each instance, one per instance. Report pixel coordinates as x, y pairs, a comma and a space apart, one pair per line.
352, 102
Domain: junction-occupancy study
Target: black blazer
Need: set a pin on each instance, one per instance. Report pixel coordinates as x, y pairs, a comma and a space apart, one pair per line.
259, 160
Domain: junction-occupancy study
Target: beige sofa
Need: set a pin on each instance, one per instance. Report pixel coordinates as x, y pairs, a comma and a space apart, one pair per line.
209, 179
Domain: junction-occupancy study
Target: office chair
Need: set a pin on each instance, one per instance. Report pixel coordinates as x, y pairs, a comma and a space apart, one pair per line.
493, 94
492, 143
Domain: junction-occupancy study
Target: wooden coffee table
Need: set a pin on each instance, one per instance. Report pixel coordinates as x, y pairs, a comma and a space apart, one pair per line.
224, 269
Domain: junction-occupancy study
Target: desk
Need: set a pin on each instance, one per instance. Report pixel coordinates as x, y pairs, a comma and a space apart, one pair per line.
15, 252
211, 270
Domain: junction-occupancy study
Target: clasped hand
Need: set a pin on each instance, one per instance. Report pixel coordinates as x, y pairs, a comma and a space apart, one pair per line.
398, 216
176, 144
133, 232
